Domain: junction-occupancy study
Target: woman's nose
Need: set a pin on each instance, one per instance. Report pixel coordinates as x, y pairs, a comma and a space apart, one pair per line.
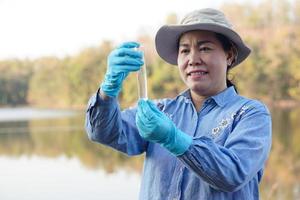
195, 58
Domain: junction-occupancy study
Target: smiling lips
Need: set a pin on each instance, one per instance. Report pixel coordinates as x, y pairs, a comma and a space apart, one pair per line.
197, 73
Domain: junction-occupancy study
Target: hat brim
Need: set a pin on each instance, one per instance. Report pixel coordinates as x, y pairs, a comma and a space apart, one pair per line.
167, 38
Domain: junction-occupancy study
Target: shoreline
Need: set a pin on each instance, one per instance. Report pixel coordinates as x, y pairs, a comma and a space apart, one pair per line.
31, 113
284, 104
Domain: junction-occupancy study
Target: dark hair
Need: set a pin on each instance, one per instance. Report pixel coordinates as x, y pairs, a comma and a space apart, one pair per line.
227, 46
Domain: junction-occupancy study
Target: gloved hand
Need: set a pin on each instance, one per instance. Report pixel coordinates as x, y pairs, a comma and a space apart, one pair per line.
155, 126
121, 61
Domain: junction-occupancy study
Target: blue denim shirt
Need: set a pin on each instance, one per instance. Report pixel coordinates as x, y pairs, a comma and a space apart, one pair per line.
231, 142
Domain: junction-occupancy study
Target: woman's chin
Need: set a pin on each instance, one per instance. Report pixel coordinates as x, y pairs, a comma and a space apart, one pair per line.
200, 90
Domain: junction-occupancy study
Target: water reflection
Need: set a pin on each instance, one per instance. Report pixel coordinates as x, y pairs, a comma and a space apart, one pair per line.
55, 157
30, 178
282, 175
64, 136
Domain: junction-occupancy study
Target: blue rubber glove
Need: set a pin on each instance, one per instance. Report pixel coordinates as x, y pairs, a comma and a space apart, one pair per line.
155, 126
121, 61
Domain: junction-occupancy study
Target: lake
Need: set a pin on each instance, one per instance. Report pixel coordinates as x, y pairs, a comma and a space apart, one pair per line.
45, 154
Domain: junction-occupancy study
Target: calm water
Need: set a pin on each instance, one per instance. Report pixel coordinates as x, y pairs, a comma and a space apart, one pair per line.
51, 158
45, 154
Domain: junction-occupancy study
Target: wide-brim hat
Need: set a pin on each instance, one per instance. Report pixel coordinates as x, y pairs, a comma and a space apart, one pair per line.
208, 19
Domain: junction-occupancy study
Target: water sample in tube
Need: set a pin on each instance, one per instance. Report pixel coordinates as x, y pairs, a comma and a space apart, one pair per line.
142, 81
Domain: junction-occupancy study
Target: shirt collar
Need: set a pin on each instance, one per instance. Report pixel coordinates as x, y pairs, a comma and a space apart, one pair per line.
225, 96
221, 99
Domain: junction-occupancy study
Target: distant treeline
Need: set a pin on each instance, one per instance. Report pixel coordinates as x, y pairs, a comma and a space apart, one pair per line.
272, 72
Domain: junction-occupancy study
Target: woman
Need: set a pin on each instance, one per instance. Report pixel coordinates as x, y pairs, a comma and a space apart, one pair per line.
208, 142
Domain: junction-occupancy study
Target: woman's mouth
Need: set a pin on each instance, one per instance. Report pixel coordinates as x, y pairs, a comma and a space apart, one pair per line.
197, 73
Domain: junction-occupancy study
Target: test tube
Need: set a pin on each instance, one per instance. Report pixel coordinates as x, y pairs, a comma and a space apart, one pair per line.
142, 80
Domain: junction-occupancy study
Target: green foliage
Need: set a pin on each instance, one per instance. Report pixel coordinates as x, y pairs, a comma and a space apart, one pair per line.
47, 85
271, 72
14, 79
165, 80
270, 28
85, 72
70, 81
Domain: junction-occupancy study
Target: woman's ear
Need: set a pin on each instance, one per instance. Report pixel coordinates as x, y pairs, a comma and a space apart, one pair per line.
231, 56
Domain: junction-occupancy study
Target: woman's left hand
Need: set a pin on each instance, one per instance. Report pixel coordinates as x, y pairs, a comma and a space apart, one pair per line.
155, 126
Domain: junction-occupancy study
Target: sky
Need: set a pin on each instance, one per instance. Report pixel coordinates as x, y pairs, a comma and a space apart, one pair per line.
37, 28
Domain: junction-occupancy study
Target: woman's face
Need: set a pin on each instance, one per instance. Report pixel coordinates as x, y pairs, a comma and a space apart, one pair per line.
202, 62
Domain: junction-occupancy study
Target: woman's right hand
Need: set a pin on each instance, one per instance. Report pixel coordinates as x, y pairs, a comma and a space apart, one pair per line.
121, 61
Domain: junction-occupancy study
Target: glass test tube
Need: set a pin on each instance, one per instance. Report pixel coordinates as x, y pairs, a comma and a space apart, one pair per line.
142, 81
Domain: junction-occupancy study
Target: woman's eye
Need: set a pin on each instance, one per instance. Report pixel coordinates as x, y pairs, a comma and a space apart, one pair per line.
184, 50
205, 49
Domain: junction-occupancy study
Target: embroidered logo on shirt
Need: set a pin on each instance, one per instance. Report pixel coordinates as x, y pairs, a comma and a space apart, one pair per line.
215, 132
170, 116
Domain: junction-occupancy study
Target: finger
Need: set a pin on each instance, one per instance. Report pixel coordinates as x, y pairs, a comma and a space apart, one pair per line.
154, 108
115, 79
127, 52
130, 44
144, 122
146, 110
151, 104
126, 61
117, 69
